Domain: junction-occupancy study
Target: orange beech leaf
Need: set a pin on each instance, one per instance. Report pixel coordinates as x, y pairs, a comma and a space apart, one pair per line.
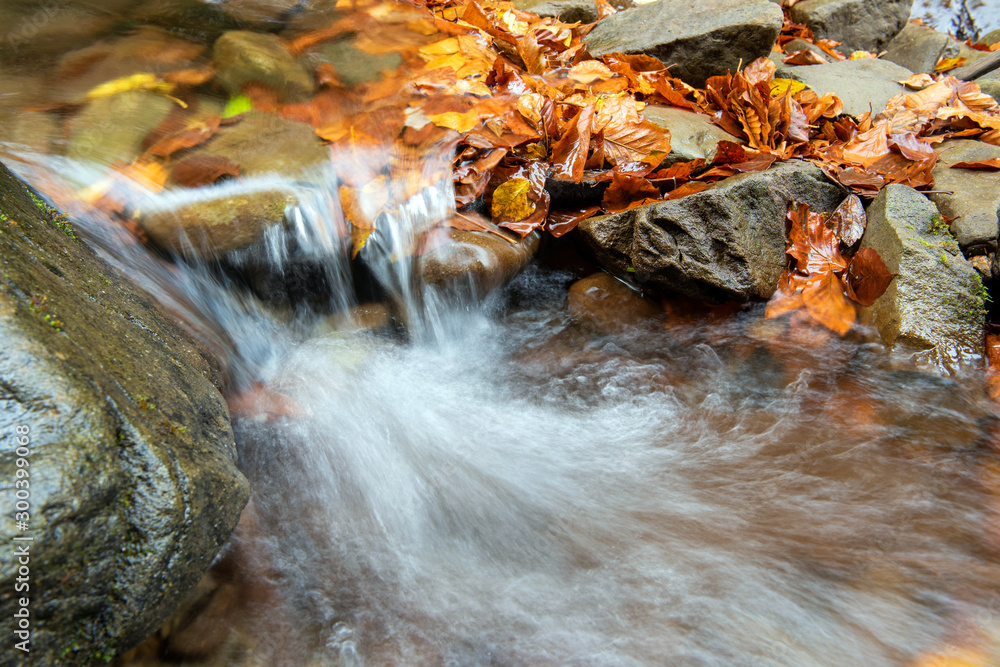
627, 192
604, 9
911, 147
918, 81
867, 147
569, 154
760, 71
990, 165
590, 71
187, 138
804, 57
678, 171
788, 297
849, 220
203, 170
815, 246
946, 64
532, 54
825, 301
689, 188
867, 277
563, 222
190, 77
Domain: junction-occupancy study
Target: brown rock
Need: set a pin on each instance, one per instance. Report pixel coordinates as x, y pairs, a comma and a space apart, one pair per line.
476, 260
606, 304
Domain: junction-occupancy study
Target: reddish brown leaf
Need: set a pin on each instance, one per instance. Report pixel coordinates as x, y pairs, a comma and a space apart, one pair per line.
825, 302
564, 221
569, 154
804, 57
689, 188
911, 147
814, 245
868, 277
185, 139
627, 192
203, 170
990, 165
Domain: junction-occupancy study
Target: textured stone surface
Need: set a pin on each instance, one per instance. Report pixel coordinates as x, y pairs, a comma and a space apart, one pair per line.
700, 38
209, 227
860, 24
569, 11
932, 305
976, 202
112, 129
863, 85
918, 48
133, 480
262, 143
692, 134
242, 57
726, 243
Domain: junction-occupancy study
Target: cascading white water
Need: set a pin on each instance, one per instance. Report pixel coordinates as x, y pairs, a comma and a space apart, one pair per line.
507, 487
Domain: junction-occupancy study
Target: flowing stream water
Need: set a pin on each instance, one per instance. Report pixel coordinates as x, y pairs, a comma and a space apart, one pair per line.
495, 483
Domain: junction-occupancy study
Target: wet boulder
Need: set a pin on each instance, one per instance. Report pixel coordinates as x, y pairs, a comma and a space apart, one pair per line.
242, 57
725, 243
214, 221
859, 24
112, 129
262, 143
971, 196
863, 85
476, 262
606, 304
934, 306
133, 482
699, 38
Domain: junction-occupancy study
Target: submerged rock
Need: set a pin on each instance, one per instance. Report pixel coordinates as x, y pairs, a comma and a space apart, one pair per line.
864, 85
860, 24
975, 204
605, 303
934, 304
112, 129
725, 243
242, 57
133, 482
699, 38
217, 224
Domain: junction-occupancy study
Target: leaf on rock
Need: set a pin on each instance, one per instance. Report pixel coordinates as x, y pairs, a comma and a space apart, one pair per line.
946, 64
849, 220
510, 201
569, 154
868, 277
804, 57
815, 246
563, 222
780, 87
203, 170
627, 192
989, 165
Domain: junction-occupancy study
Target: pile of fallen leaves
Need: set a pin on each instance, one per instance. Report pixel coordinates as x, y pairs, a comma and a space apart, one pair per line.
505, 103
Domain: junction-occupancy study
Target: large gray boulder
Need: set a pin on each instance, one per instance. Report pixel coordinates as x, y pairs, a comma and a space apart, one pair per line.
863, 85
725, 243
918, 48
975, 202
699, 38
860, 24
934, 305
130, 454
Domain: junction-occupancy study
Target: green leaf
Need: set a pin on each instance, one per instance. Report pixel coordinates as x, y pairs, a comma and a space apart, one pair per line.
237, 105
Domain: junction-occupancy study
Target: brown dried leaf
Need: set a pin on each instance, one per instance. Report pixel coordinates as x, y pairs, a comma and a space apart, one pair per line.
203, 170
627, 192
569, 154
825, 301
868, 277
989, 165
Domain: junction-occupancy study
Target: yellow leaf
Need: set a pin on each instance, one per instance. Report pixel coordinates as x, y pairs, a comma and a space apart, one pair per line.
510, 201
143, 82
445, 47
861, 55
946, 64
534, 151
454, 61
781, 86
453, 120
358, 239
